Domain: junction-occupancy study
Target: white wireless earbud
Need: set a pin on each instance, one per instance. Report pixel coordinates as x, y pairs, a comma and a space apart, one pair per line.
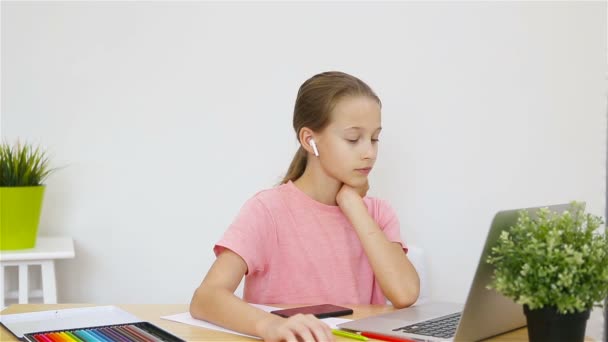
314, 146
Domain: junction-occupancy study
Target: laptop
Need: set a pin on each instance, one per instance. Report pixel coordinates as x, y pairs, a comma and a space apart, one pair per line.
485, 313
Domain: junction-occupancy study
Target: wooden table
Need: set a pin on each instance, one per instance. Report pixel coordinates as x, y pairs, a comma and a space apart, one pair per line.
152, 313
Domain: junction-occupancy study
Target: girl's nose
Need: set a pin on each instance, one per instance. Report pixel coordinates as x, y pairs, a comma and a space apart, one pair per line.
370, 150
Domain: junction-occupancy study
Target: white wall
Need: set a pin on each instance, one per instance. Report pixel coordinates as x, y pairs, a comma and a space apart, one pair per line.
166, 117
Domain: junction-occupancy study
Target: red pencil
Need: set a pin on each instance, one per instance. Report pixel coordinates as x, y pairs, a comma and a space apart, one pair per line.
385, 337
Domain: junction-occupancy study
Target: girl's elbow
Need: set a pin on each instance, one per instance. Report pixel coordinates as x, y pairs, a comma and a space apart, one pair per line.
193, 311
404, 302
407, 297
402, 305
195, 304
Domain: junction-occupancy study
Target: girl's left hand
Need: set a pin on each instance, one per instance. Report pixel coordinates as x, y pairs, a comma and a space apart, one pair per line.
348, 193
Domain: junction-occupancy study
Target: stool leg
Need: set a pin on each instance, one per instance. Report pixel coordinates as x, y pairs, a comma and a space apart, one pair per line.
24, 286
49, 289
2, 303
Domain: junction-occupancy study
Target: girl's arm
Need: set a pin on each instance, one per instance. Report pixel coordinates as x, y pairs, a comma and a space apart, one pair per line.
214, 301
396, 275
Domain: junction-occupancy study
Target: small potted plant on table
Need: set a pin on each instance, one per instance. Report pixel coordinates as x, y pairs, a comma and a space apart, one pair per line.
23, 168
556, 266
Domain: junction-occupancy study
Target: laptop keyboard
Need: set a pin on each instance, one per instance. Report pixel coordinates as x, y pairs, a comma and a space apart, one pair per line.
442, 327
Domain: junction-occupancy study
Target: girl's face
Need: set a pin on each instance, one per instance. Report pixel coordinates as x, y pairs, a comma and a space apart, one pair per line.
348, 146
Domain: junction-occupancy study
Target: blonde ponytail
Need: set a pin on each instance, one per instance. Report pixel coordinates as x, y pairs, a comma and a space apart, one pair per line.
297, 166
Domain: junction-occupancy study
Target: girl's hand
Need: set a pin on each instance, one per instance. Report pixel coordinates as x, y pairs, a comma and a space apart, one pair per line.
347, 193
296, 328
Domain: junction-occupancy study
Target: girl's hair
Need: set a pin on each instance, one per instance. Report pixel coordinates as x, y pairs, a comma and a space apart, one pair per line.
316, 99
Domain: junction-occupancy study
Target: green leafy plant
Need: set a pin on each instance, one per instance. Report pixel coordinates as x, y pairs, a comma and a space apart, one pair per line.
552, 260
23, 165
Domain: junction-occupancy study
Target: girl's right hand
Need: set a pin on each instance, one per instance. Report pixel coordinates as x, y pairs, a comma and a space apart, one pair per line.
296, 328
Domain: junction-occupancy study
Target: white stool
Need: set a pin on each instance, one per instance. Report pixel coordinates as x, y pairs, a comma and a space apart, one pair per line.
44, 254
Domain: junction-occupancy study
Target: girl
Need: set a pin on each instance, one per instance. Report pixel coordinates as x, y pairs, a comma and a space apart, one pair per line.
316, 238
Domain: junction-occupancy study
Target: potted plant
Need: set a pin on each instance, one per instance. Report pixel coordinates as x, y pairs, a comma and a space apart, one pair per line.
606, 319
23, 168
556, 266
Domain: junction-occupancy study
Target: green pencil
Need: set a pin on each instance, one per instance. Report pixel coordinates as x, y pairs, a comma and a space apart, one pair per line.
348, 334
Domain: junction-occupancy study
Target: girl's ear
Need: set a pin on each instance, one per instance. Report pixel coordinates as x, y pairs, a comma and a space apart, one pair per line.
305, 135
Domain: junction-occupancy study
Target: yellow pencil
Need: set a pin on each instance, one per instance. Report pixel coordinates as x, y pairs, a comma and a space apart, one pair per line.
63, 336
348, 334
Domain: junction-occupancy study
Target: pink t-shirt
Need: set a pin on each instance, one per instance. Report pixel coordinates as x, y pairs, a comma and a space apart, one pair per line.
300, 251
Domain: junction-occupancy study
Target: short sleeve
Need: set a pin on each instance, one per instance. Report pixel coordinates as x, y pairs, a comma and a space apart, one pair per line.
249, 236
388, 221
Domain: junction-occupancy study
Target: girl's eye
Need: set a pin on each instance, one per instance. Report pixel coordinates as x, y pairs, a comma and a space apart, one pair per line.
375, 140
352, 141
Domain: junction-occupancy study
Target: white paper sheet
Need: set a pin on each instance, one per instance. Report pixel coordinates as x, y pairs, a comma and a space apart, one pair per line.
187, 319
